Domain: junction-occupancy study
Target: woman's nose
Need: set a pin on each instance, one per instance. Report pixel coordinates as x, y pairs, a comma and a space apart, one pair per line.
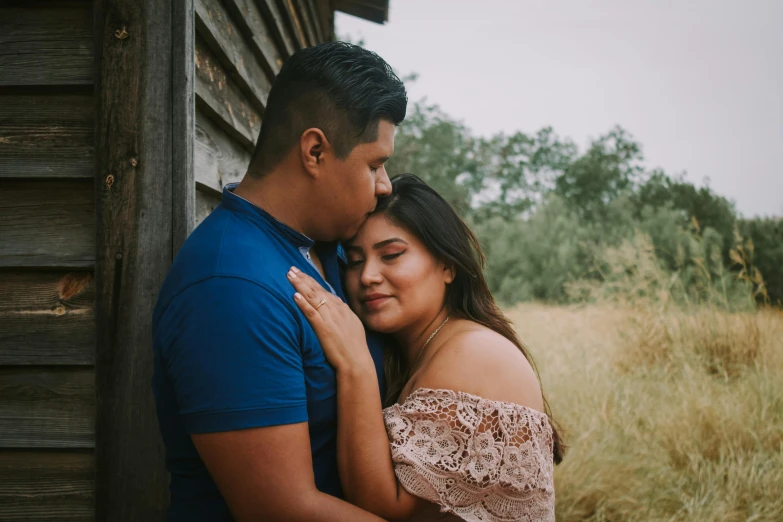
370, 274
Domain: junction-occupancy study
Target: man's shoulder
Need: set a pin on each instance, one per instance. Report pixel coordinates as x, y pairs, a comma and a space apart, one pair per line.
225, 255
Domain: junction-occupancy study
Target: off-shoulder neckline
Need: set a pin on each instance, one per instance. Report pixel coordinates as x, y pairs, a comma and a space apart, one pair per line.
458, 394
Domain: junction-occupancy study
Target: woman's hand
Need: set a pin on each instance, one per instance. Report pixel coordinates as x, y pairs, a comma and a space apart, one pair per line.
339, 330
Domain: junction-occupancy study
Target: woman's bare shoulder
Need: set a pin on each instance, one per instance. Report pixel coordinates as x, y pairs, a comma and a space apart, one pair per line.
480, 361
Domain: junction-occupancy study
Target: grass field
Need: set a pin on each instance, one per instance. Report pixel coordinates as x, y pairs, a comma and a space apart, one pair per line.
668, 417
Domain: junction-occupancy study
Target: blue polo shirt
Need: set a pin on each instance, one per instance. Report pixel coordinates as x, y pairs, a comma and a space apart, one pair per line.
233, 351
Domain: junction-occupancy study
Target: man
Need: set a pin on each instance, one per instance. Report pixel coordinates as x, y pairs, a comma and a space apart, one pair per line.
246, 400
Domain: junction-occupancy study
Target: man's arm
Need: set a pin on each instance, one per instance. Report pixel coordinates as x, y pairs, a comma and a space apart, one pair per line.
267, 474
235, 363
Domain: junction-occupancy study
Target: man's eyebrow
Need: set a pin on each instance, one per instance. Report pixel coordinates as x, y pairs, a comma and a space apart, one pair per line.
383, 159
382, 244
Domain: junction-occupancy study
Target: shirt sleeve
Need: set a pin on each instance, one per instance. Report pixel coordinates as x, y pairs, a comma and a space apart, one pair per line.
233, 357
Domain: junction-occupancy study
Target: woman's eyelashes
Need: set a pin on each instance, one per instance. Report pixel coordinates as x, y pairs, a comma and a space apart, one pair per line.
357, 261
389, 257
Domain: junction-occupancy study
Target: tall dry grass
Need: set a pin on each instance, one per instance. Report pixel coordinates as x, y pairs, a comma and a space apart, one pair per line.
670, 414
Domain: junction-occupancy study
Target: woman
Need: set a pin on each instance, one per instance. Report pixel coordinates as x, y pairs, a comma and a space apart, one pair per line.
466, 432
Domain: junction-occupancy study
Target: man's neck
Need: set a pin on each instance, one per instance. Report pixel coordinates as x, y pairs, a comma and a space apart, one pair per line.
280, 198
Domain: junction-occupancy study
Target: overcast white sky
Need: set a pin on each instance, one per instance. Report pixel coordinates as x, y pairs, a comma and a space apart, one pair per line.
698, 82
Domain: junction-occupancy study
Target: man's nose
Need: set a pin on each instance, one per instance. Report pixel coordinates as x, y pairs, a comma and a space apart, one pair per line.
383, 183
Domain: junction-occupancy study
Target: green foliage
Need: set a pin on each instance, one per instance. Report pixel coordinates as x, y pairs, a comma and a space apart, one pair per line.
441, 151
557, 223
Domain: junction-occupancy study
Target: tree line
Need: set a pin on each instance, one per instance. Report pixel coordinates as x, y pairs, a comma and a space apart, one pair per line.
547, 213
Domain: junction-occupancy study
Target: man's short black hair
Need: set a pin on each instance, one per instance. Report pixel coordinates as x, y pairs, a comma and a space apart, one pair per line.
337, 87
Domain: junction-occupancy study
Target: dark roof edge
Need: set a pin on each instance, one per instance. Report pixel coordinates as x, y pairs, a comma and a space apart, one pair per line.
373, 10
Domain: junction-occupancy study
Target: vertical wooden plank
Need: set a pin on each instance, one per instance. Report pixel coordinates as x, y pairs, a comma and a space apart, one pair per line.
134, 248
183, 189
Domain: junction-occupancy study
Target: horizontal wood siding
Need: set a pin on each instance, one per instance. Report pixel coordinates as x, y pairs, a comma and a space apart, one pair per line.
47, 257
215, 26
46, 223
47, 318
220, 98
46, 133
218, 159
206, 202
46, 485
240, 46
47, 407
43, 43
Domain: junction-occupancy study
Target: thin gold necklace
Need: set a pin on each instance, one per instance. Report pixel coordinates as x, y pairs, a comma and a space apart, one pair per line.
421, 350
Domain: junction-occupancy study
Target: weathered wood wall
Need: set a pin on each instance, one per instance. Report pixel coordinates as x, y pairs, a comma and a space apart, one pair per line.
47, 260
240, 46
120, 123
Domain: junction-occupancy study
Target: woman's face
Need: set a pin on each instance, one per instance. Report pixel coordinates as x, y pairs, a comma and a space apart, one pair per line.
393, 281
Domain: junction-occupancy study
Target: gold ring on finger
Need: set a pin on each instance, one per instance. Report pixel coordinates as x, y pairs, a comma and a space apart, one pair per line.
323, 302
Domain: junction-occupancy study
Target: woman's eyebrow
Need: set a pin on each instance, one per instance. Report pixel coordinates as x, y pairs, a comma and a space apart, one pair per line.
385, 242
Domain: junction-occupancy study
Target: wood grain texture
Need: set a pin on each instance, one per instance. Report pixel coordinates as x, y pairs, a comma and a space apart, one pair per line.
46, 132
218, 96
46, 223
184, 123
282, 36
134, 251
219, 159
47, 407
292, 23
303, 16
47, 318
325, 15
46, 43
257, 33
206, 202
316, 19
46, 485
216, 27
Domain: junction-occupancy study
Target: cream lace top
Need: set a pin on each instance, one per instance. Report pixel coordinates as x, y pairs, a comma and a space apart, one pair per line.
478, 459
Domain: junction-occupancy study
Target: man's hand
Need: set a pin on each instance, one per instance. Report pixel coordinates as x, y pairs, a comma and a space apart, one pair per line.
267, 474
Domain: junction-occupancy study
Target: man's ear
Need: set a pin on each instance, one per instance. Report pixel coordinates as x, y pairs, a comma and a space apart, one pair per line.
313, 147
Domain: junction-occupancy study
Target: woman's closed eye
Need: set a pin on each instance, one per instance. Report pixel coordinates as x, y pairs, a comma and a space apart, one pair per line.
357, 261
352, 263
395, 255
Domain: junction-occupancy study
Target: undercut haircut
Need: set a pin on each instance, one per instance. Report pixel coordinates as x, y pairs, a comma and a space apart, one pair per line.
337, 87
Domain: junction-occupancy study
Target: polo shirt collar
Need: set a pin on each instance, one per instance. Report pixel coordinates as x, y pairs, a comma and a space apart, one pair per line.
264, 218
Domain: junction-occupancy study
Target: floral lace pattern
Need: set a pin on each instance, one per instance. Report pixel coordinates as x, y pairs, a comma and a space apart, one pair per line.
479, 459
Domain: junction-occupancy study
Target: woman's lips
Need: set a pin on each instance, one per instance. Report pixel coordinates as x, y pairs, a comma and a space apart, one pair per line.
375, 302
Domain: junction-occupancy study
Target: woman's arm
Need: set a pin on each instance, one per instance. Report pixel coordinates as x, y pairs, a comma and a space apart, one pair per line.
363, 451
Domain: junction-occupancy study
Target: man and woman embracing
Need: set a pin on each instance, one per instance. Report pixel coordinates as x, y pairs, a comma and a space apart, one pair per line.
326, 346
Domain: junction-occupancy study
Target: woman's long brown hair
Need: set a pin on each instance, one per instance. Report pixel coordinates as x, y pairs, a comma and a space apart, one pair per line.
416, 207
